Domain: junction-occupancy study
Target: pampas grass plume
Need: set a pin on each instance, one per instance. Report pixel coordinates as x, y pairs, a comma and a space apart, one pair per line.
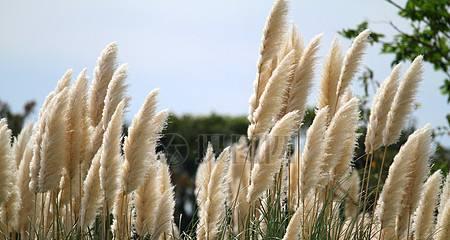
103, 73
272, 39
53, 146
352, 60
137, 146
268, 158
110, 157
311, 160
424, 215
379, 112
403, 102
271, 99
330, 78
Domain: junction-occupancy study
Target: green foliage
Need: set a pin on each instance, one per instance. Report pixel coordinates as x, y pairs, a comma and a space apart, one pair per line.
16, 120
429, 35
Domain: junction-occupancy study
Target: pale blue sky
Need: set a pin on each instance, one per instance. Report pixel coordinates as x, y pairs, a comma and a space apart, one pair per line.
201, 54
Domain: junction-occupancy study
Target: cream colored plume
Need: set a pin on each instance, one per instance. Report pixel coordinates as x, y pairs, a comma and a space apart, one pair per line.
390, 202
403, 102
294, 179
213, 211
110, 157
203, 176
239, 177
313, 153
271, 43
10, 208
36, 143
146, 201
330, 78
106, 64
92, 194
418, 170
301, 83
294, 228
269, 155
21, 142
424, 215
40, 129
239, 169
53, 146
115, 93
291, 41
64, 81
77, 136
352, 196
6, 161
351, 62
164, 213
138, 145
379, 112
345, 161
26, 196
445, 195
271, 99
442, 231
340, 135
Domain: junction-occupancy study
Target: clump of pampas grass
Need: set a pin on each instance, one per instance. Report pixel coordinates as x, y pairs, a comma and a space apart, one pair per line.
73, 175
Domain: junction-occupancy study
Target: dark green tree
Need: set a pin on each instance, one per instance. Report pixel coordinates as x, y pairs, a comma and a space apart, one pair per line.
16, 120
428, 35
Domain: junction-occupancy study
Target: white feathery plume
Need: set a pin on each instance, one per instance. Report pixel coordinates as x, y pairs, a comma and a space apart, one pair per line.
39, 132
115, 93
53, 146
202, 179
76, 136
164, 213
26, 196
379, 112
271, 99
339, 134
352, 196
239, 177
313, 152
138, 145
214, 204
106, 64
390, 202
10, 208
21, 142
146, 201
403, 102
294, 178
64, 81
6, 161
301, 83
445, 195
418, 170
294, 228
443, 223
330, 78
92, 194
268, 157
110, 157
203, 176
272, 39
351, 62
424, 215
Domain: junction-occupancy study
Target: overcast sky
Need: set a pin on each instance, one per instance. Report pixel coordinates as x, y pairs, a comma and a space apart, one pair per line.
201, 54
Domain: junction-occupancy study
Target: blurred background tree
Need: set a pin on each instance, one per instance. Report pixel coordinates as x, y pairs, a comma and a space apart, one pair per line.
16, 120
428, 35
